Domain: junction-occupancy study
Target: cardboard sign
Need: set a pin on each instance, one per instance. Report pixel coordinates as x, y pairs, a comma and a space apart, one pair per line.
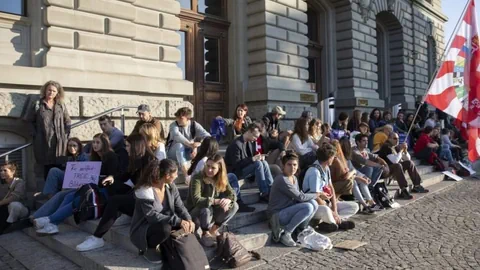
78, 174
453, 176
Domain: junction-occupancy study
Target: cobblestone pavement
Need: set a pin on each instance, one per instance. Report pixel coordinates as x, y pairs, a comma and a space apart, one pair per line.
440, 231
7, 261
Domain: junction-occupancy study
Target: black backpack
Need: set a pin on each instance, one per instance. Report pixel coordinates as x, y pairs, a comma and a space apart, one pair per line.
380, 195
192, 132
184, 252
88, 203
232, 252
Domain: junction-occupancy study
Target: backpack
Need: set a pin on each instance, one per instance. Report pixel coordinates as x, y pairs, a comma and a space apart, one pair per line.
232, 252
217, 129
88, 203
192, 133
380, 195
301, 176
184, 252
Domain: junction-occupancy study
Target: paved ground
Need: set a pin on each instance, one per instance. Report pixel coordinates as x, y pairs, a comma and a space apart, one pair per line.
441, 231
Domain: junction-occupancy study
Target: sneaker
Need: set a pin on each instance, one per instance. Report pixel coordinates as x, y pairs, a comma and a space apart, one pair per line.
243, 208
327, 227
152, 255
346, 225
90, 243
48, 229
122, 220
264, 197
287, 240
39, 223
367, 211
208, 240
377, 207
405, 195
419, 189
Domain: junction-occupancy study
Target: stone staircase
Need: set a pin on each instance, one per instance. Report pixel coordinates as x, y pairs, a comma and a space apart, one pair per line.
119, 253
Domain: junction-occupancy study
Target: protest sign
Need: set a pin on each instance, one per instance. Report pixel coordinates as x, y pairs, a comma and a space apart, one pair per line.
78, 174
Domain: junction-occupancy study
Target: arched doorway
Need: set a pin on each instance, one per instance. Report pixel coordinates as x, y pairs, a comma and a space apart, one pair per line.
321, 53
204, 51
390, 57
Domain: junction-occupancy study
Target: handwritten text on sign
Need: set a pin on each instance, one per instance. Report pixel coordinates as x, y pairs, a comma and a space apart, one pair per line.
78, 174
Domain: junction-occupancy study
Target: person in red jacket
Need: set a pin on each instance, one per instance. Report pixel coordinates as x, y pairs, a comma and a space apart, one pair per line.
425, 149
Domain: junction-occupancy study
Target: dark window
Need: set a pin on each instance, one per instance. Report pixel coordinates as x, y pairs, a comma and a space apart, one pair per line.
186, 4
211, 59
182, 64
312, 74
13, 6
210, 7
312, 25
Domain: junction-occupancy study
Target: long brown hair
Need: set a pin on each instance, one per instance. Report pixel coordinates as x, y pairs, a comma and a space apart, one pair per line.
106, 147
79, 143
314, 127
244, 107
339, 155
301, 129
208, 148
60, 95
356, 118
221, 179
346, 147
139, 149
155, 171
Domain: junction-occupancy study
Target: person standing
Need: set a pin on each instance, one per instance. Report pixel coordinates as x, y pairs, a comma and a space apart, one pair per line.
50, 123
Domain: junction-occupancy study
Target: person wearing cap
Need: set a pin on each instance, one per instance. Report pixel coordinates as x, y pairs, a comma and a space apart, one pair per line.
145, 116
272, 125
184, 138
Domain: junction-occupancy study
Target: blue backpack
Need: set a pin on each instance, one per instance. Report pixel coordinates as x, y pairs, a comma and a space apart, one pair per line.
217, 129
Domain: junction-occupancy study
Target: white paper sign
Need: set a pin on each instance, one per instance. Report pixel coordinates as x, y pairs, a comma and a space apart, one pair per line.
452, 175
78, 174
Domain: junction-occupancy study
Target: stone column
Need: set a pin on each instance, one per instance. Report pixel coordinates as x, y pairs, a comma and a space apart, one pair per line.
277, 58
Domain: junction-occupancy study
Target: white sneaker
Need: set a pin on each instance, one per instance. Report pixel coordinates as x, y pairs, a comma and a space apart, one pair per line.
48, 229
122, 220
39, 223
90, 243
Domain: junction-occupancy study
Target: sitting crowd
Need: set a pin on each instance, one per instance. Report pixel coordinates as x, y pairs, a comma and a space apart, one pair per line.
315, 175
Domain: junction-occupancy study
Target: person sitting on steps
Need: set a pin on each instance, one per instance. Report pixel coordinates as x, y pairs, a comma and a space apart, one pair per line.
289, 207
158, 210
209, 148
241, 160
398, 159
184, 138
211, 198
332, 213
240, 120
371, 165
12, 208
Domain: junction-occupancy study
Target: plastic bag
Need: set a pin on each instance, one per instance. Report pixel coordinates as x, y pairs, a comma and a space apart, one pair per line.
312, 240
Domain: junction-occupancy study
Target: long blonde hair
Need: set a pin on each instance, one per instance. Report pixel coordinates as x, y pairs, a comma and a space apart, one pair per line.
60, 95
221, 179
152, 134
314, 129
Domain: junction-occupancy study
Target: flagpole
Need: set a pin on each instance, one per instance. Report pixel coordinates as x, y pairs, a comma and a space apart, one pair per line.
442, 58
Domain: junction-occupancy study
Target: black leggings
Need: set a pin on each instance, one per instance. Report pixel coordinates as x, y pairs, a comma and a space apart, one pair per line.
122, 203
157, 234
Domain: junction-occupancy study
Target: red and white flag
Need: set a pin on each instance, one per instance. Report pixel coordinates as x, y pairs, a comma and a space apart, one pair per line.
456, 88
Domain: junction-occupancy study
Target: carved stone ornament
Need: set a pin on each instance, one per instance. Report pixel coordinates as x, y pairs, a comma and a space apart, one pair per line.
391, 5
365, 8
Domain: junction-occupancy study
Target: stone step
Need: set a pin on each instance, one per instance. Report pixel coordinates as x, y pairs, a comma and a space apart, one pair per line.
249, 196
108, 257
21, 251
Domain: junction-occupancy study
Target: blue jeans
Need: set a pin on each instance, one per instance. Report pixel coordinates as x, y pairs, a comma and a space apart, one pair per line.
58, 208
54, 181
297, 214
446, 153
262, 173
233, 181
374, 173
180, 153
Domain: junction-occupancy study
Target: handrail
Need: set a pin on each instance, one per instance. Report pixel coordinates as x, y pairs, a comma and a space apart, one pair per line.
77, 124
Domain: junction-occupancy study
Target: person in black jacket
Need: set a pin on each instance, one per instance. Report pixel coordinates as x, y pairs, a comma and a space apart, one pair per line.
243, 162
140, 155
272, 125
158, 209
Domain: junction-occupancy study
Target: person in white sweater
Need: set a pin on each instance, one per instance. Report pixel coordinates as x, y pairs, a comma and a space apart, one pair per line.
303, 144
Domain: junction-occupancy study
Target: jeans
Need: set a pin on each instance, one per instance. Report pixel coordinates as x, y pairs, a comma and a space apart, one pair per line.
291, 217
344, 209
54, 181
58, 208
361, 191
374, 173
233, 181
180, 153
446, 153
262, 173
203, 217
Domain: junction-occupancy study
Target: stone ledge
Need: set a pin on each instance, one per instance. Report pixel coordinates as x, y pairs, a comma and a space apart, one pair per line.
94, 80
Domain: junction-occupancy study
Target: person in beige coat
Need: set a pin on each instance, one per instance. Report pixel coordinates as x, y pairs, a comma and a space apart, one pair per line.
12, 208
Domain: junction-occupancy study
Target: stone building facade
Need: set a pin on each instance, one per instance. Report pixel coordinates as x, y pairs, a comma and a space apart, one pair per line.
212, 55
